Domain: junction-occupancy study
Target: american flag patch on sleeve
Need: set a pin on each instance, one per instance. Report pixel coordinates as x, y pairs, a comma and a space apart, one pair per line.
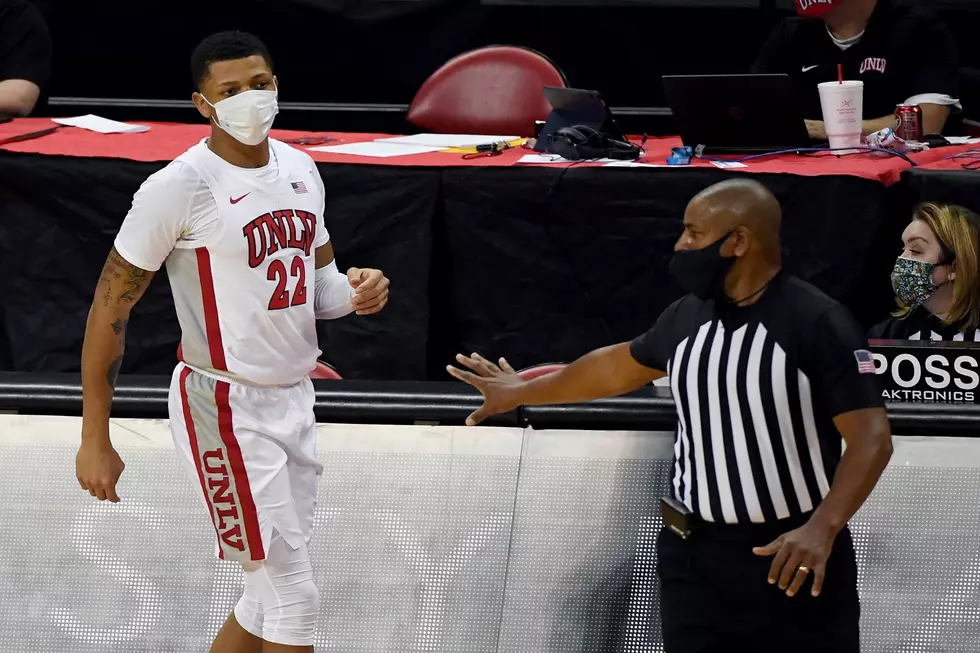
299, 187
866, 362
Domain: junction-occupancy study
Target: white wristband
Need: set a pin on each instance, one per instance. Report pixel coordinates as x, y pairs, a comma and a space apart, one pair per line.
333, 293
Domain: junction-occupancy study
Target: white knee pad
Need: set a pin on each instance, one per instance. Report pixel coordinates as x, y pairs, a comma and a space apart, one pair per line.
283, 588
248, 611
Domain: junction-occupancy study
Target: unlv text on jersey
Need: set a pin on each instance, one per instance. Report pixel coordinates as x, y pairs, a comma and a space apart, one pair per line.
284, 229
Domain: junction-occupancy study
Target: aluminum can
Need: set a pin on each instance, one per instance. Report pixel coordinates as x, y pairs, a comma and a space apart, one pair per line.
908, 122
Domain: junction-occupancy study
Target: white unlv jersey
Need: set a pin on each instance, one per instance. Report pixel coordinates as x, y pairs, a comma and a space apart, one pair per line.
244, 291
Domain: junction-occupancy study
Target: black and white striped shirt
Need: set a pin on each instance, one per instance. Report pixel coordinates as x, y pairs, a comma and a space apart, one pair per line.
920, 324
756, 389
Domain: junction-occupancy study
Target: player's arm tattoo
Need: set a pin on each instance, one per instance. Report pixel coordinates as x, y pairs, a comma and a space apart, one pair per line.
119, 329
113, 373
136, 281
121, 282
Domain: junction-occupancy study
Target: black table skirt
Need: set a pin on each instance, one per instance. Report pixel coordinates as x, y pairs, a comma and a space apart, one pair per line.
537, 264
946, 186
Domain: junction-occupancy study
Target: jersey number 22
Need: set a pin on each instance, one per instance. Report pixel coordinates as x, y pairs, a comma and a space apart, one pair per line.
277, 272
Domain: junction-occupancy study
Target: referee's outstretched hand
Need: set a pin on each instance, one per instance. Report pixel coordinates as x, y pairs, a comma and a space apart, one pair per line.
799, 552
499, 384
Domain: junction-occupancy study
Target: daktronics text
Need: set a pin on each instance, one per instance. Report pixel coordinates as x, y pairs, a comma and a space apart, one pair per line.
937, 377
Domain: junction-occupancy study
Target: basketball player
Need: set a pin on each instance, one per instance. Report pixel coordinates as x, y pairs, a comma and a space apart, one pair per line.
238, 220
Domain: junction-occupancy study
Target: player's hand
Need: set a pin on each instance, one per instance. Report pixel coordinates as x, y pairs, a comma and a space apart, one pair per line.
499, 384
816, 130
808, 547
98, 467
370, 290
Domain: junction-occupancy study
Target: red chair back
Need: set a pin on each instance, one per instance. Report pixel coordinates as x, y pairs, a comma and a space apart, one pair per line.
539, 370
324, 371
495, 90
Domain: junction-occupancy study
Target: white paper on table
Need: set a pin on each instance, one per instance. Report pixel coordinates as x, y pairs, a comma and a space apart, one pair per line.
728, 164
962, 140
554, 158
444, 141
376, 149
101, 125
636, 164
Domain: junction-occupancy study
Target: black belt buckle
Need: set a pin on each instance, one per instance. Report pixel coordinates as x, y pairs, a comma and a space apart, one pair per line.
677, 517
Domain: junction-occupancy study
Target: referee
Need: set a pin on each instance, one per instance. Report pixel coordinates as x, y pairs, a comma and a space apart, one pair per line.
767, 374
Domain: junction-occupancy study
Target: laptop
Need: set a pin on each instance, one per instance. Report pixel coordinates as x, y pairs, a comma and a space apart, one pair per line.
736, 113
574, 106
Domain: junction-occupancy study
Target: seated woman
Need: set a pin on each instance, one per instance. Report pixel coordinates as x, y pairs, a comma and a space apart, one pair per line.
937, 278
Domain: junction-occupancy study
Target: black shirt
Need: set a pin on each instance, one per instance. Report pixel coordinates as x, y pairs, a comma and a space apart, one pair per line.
25, 43
905, 51
920, 324
756, 390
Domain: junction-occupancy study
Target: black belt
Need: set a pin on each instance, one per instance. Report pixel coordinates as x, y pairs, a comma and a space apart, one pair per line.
684, 523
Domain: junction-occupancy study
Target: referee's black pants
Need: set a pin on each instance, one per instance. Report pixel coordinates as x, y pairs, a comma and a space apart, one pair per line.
715, 596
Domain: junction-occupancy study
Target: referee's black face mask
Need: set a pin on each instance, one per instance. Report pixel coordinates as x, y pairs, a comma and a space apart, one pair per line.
702, 272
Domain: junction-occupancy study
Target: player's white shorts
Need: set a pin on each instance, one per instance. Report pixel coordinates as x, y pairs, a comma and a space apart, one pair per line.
252, 451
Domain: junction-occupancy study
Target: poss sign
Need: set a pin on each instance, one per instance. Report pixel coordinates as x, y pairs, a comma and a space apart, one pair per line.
927, 372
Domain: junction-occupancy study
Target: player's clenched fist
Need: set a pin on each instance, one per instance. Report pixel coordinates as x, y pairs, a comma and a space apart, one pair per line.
98, 468
370, 290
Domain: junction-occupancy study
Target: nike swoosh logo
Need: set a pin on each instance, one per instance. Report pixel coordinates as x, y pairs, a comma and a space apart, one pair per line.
807, 69
234, 201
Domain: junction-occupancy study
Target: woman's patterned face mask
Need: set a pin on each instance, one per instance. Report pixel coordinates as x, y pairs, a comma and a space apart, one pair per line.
912, 281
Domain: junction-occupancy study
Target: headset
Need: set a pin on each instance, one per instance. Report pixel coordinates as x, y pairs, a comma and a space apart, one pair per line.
582, 143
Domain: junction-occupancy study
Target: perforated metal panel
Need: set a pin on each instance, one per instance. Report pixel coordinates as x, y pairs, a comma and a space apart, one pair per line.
584, 536
411, 550
84, 577
918, 551
448, 540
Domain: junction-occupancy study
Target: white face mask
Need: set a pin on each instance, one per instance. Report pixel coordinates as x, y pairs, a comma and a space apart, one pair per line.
248, 116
